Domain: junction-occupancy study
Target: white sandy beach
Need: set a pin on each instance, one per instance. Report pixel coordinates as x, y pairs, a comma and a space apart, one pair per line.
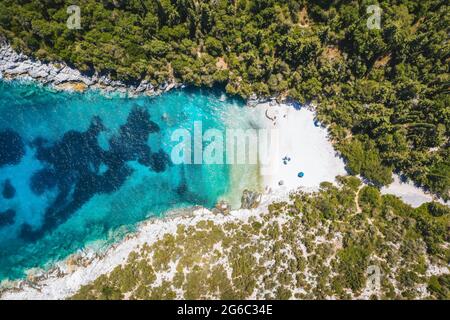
309, 151
306, 146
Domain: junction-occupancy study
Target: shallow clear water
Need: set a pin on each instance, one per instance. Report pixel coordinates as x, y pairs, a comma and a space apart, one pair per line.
77, 168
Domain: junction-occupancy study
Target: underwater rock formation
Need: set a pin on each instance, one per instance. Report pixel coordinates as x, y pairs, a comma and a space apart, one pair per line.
79, 168
7, 217
12, 148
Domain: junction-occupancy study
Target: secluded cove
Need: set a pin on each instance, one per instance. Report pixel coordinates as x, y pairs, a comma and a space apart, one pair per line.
82, 170
88, 167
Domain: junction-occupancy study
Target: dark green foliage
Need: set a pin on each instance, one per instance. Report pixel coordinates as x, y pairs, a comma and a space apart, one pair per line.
433, 222
437, 210
352, 267
364, 159
370, 197
440, 286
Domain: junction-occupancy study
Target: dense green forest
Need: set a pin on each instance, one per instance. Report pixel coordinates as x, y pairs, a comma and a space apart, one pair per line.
383, 92
313, 246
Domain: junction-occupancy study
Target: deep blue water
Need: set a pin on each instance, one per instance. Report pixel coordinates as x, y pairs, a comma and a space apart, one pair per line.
81, 167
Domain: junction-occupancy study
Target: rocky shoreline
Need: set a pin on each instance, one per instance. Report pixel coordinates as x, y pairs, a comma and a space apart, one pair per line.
60, 76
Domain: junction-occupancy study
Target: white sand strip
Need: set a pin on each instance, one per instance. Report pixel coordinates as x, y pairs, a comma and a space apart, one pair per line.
309, 151
409, 193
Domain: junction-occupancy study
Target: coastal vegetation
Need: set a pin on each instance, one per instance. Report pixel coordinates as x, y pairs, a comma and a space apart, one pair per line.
345, 241
382, 92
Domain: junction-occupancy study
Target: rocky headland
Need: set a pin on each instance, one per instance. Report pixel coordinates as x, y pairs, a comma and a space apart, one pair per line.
60, 76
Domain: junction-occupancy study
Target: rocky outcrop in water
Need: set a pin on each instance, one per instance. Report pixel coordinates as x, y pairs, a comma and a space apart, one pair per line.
250, 199
15, 65
222, 207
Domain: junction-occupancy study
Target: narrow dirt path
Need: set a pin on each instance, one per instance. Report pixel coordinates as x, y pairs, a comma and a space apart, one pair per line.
358, 208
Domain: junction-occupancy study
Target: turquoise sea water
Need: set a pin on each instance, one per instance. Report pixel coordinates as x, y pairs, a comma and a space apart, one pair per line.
82, 167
